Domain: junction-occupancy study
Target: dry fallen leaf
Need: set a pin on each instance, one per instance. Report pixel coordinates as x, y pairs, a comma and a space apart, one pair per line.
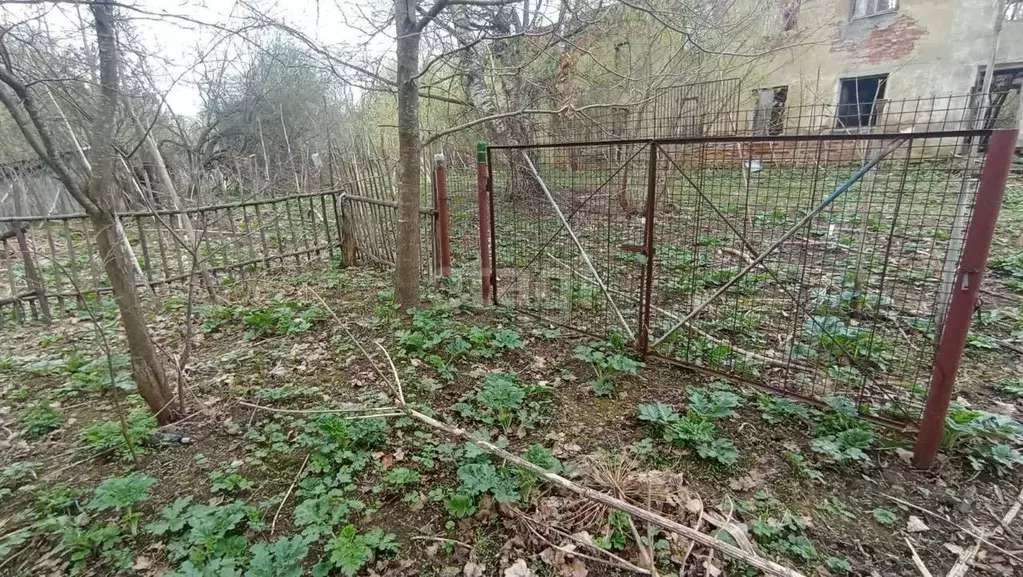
518, 569
904, 454
473, 569
142, 563
711, 569
694, 505
754, 479
916, 525
953, 548
574, 569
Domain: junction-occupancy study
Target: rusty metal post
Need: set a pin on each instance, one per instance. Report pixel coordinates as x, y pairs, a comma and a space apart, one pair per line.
966, 286
493, 232
646, 286
484, 209
440, 205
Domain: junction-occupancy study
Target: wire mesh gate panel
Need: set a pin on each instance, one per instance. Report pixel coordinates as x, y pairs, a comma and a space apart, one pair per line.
539, 267
716, 253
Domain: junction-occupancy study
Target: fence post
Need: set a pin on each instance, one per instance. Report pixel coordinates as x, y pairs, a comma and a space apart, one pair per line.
965, 288
440, 205
484, 208
646, 285
35, 280
346, 230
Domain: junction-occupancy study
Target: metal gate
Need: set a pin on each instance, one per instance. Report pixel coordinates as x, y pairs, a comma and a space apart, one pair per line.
808, 265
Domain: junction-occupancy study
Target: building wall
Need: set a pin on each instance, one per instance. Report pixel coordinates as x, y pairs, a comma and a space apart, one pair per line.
930, 49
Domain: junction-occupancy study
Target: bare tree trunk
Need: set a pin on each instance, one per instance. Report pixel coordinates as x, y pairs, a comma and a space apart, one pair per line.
407, 273
147, 369
517, 96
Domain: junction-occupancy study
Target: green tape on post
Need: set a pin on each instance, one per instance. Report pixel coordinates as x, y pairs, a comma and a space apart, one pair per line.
481, 151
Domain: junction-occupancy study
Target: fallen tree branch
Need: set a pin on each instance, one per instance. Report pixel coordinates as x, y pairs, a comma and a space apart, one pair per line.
963, 564
765, 565
613, 561
979, 537
442, 540
354, 409
924, 572
273, 524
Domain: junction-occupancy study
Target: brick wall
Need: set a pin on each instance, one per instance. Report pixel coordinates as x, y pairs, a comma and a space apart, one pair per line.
886, 41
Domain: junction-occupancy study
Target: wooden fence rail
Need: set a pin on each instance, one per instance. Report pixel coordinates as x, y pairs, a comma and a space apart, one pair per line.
54, 258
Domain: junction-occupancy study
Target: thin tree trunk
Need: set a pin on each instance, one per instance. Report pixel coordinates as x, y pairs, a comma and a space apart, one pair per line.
407, 273
147, 370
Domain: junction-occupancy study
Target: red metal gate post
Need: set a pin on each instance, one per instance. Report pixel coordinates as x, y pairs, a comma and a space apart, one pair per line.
484, 209
440, 205
646, 286
966, 287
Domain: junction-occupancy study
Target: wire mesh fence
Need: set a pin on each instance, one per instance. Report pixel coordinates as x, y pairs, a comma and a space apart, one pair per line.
721, 253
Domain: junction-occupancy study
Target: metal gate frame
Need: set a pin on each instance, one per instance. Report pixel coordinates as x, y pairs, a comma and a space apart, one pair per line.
951, 336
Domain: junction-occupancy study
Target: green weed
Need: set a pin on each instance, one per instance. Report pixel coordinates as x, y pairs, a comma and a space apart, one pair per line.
609, 361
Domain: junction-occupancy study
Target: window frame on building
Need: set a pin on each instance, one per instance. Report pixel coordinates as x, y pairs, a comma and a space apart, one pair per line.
865, 108
769, 113
1014, 11
871, 8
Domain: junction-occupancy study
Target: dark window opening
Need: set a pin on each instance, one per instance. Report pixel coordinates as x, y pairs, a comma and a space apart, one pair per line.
860, 101
1000, 107
769, 115
790, 14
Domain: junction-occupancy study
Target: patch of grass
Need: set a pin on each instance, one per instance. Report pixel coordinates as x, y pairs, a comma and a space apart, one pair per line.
778, 529
102, 436
609, 360
504, 401
695, 430
40, 418
1010, 387
441, 342
986, 439
280, 317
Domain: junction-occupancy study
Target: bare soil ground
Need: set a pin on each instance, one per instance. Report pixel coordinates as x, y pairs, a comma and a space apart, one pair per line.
279, 493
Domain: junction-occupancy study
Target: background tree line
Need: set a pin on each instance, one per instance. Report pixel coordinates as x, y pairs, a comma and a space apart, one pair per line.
85, 95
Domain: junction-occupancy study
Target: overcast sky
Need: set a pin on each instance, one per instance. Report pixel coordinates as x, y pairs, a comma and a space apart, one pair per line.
178, 41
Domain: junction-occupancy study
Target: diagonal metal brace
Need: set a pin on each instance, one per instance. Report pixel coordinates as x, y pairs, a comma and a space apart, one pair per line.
582, 251
839, 191
781, 285
570, 216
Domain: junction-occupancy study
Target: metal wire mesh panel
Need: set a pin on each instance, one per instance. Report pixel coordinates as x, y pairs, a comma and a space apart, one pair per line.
567, 235
234, 239
848, 301
814, 265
